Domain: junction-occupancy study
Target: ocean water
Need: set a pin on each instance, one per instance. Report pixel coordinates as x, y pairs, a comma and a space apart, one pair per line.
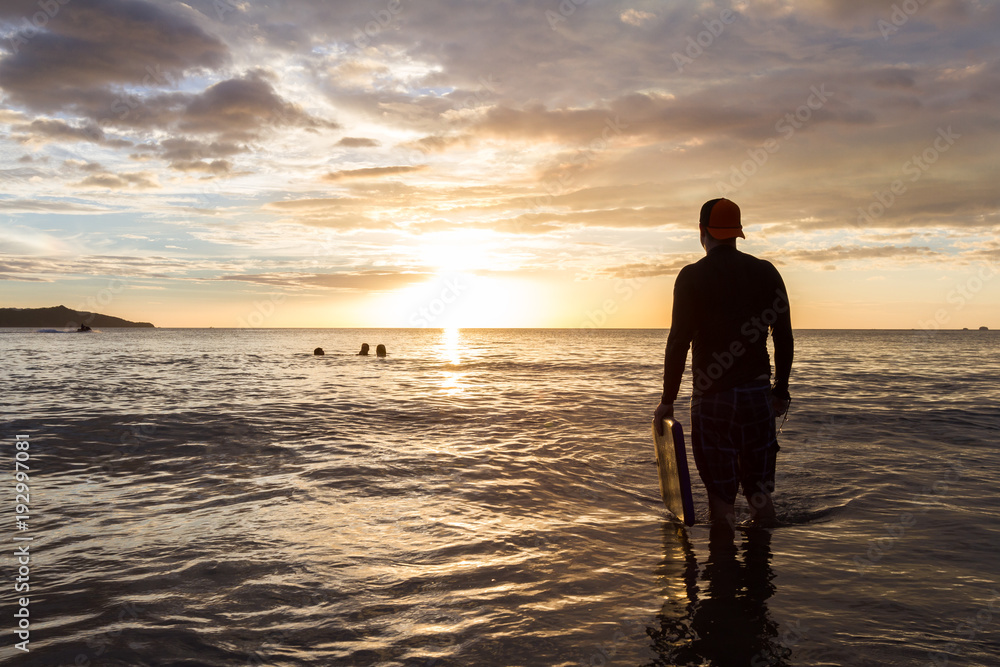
487, 497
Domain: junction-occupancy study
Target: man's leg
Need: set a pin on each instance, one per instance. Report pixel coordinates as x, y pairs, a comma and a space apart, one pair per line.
720, 511
714, 454
759, 448
761, 507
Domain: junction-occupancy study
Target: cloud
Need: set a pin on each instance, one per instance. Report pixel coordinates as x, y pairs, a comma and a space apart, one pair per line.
46, 130
215, 167
314, 204
830, 258
237, 109
435, 143
841, 254
367, 281
83, 165
643, 270
26, 279
659, 117
111, 65
181, 148
40, 205
358, 142
44, 268
42, 130
95, 44
618, 218
636, 17
219, 122
521, 224
10, 116
142, 180
371, 172
342, 214
189, 155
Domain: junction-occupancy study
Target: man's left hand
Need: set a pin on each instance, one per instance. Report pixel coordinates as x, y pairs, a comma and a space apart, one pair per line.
780, 405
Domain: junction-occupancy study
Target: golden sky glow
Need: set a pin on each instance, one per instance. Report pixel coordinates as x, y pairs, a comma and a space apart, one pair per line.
466, 164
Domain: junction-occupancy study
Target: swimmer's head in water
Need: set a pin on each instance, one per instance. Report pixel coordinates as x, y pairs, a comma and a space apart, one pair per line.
380, 350
319, 351
364, 350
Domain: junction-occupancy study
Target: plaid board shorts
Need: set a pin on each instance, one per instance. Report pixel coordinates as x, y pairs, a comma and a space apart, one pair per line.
734, 441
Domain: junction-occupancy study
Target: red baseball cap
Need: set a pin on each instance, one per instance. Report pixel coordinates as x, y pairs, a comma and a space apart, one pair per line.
721, 218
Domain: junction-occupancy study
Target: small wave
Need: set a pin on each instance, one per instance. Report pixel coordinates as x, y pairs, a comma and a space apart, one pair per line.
797, 517
67, 331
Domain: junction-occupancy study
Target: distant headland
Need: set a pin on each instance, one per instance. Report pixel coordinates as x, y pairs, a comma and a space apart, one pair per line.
61, 316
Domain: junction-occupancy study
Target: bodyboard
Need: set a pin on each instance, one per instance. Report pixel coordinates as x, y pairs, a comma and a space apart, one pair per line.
671, 462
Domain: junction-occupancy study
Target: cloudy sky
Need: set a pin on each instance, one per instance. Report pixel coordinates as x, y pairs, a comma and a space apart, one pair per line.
495, 163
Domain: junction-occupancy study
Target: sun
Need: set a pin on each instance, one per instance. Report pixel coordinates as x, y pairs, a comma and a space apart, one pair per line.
473, 282
461, 300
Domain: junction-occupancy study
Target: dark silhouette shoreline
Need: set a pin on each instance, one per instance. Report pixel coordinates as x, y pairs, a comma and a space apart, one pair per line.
61, 316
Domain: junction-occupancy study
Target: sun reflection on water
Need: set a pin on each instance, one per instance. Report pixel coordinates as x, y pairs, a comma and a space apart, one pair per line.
449, 351
450, 341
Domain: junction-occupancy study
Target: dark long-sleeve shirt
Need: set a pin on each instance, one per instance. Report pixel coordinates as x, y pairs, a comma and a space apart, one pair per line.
724, 305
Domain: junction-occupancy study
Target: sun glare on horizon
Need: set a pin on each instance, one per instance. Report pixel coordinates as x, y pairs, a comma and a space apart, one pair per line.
460, 300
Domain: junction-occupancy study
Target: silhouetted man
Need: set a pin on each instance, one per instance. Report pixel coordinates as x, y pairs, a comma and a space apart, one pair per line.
724, 306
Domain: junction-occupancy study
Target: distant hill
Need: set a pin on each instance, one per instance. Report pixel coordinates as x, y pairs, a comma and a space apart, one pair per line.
61, 317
